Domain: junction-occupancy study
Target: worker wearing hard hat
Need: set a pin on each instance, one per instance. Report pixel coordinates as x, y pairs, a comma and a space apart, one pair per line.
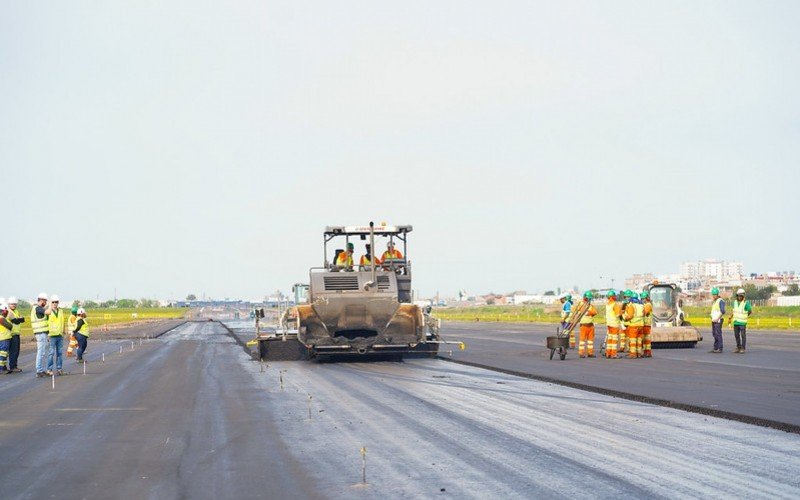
742, 309
5, 338
81, 333
623, 332
345, 259
647, 343
586, 344
717, 313
634, 320
16, 318
391, 252
40, 329
613, 324
72, 320
367, 260
566, 313
55, 331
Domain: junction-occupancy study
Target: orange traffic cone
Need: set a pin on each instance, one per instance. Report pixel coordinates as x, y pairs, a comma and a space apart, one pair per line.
73, 343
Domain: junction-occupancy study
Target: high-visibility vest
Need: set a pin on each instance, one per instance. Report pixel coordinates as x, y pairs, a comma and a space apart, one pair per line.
55, 324
72, 323
16, 315
739, 313
5, 332
394, 254
648, 315
612, 319
586, 319
39, 325
638, 315
344, 260
365, 261
716, 312
84, 328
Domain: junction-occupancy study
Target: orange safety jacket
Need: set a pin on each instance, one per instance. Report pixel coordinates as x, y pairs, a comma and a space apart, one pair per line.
394, 254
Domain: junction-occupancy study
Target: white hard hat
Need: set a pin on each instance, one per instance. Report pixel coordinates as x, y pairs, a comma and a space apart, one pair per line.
740, 291
54, 298
42, 296
81, 311
3, 307
13, 300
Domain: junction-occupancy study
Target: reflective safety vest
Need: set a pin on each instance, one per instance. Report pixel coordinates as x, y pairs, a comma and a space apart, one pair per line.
586, 319
15, 315
739, 312
38, 325
365, 261
344, 260
612, 319
716, 312
394, 254
5, 331
55, 324
84, 328
72, 323
648, 314
638, 315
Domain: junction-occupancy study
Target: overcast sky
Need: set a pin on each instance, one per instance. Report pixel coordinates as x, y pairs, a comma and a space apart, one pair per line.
162, 148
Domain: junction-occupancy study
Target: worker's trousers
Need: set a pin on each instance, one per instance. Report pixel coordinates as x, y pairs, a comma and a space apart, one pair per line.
5, 345
634, 334
623, 339
42, 350
716, 332
55, 357
83, 342
740, 332
612, 339
647, 345
587, 340
571, 334
13, 353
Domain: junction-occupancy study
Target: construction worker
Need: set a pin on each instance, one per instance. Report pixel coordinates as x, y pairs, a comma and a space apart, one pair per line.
566, 313
717, 313
81, 333
366, 261
345, 259
55, 331
623, 332
5, 338
613, 323
40, 330
647, 345
586, 344
391, 252
742, 309
16, 318
634, 319
71, 322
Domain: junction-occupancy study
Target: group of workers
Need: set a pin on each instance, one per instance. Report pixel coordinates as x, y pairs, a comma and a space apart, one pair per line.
345, 260
628, 322
49, 324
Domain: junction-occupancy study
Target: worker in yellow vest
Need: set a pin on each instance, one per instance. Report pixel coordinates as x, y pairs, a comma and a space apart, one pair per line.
586, 343
366, 261
55, 331
634, 319
647, 344
345, 259
5, 338
71, 322
40, 329
16, 319
613, 324
81, 333
717, 313
623, 332
742, 309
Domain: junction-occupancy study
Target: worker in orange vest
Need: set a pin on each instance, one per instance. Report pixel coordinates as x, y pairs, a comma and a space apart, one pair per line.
586, 343
647, 345
634, 321
345, 259
613, 323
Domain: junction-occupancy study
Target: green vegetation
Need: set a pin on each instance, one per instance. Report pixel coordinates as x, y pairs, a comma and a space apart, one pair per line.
765, 318
99, 317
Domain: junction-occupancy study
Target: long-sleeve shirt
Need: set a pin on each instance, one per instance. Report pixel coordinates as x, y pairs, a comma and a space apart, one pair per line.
79, 325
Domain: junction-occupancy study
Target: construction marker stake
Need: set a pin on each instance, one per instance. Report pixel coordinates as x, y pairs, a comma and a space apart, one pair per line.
120, 349
84, 367
104, 357
53, 380
132, 347
364, 464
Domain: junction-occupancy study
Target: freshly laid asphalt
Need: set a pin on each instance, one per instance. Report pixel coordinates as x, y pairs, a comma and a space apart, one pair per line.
192, 415
761, 386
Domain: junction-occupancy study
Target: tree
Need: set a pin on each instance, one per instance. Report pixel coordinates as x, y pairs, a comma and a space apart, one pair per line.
792, 291
148, 303
549, 292
753, 293
127, 303
89, 304
191, 297
107, 304
24, 304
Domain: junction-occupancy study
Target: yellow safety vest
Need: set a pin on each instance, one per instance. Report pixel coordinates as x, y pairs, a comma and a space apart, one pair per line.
16, 328
55, 324
715, 310
39, 325
72, 323
84, 329
638, 315
586, 319
612, 319
344, 260
5, 332
739, 314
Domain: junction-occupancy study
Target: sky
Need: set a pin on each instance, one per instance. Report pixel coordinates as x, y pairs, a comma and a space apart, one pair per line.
156, 149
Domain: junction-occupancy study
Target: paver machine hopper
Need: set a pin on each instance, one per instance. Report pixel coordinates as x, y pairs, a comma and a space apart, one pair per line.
670, 327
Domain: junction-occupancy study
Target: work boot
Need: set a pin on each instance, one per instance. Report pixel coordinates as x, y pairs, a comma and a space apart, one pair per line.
39, 374
592, 356
716, 351
741, 351
60, 372
49, 373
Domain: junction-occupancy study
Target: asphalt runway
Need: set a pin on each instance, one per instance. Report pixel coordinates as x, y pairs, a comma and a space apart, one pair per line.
763, 384
191, 415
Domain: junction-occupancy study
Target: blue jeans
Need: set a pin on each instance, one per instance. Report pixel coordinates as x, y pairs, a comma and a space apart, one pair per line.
42, 351
56, 346
83, 341
716, 331
5, 345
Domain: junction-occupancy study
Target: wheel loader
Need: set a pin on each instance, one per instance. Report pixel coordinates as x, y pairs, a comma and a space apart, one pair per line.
670, 327
356, 311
